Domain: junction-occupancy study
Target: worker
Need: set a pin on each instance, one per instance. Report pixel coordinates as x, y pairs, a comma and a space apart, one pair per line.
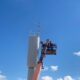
52, 45
44, 47
43, 53
52, 48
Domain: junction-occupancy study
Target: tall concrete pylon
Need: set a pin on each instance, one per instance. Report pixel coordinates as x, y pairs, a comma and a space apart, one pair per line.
33, 48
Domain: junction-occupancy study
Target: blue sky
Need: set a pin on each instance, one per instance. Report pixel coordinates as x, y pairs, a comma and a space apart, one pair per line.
59, 21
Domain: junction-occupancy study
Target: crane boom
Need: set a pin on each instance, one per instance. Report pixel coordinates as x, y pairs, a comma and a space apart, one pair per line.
37, 71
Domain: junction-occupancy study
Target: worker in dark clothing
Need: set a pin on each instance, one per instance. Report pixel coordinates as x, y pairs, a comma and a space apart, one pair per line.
43, 53
52, 45
43, 46
53, 48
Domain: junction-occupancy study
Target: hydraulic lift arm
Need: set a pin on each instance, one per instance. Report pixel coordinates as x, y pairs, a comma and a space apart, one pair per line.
37, 72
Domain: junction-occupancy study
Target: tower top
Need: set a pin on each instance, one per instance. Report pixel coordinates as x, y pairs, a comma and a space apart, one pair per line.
38, 29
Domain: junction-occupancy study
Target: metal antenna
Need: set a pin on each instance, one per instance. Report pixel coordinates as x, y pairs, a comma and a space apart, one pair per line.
38, 29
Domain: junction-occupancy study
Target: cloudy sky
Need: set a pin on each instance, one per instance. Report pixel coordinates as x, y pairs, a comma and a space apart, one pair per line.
59, 21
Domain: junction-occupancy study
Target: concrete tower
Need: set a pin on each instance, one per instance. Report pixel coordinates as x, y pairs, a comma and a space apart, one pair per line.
33, 48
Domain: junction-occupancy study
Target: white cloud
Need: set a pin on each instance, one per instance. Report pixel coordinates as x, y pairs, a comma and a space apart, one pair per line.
78, 78
59, 79
77, 53
68, 78
54, 68
47, 78
3, 77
